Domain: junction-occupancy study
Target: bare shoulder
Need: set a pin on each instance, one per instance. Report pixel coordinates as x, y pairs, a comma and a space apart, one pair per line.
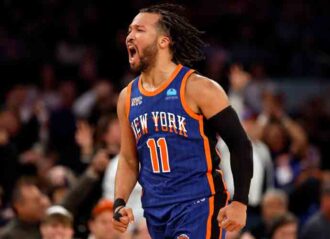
206, 94
121, 104
122, 98
200, 84
123, 94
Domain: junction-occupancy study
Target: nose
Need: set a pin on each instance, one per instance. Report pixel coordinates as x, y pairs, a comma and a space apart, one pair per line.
130, 37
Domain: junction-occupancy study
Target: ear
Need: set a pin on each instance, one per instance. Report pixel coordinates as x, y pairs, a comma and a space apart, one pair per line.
164, 41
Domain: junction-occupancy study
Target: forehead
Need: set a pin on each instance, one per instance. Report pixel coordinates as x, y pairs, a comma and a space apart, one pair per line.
145, 19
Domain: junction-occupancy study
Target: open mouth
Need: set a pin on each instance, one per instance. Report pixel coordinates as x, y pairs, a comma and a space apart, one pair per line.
132, 53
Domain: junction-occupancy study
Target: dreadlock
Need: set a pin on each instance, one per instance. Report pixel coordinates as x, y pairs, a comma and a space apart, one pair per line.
186, 44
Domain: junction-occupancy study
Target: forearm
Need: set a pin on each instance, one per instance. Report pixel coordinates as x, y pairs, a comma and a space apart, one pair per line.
80, 191
296, 133
242, 169
227, 124
126, 177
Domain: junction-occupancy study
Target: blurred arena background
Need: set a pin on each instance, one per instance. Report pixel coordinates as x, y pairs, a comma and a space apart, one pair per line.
63, 63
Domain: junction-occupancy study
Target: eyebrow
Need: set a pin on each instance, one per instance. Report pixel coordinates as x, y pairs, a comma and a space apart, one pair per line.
135, 25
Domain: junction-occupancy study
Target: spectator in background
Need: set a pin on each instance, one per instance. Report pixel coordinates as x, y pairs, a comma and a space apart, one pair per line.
111, 139
48, 87
5, 213
273, 205
216, 67
60, 180
285, 138
100, 223
57, 224
62, 126
9, 166
246, 88
23, 124
319, 224
30, 205
86, 192
296, 161
238, 79
101, 98
285, 227
107, 141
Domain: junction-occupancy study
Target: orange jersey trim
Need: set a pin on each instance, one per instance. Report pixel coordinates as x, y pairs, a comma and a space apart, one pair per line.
200, 119
185, 105
162, 87
207, 155
128, 99
209, 218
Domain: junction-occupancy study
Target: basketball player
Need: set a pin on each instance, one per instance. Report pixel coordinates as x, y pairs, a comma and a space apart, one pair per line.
170, 117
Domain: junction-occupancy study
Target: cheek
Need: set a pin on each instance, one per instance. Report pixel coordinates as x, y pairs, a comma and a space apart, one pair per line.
68, 232
47, 231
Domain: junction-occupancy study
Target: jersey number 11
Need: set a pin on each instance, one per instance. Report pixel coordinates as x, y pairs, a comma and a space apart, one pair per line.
162, 145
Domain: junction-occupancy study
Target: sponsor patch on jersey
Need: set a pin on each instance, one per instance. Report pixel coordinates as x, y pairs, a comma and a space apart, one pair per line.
183, 236
171, 94
136, 101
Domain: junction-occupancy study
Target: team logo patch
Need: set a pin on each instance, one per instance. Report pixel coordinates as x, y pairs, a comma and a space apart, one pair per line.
183, 236
171, 94
136, 101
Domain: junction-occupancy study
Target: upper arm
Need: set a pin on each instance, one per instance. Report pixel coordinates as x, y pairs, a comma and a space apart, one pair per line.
128, 144
205, 96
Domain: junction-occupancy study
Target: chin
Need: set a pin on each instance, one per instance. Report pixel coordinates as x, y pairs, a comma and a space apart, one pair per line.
135, 68
138, 67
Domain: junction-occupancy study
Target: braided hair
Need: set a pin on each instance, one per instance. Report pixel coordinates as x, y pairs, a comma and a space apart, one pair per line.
186, 44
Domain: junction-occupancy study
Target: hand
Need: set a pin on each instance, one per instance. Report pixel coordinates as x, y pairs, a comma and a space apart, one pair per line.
84, 137
233, 216
100, 161
103, 89
126, 218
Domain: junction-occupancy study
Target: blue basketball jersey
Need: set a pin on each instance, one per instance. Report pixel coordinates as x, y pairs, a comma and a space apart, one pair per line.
176, 150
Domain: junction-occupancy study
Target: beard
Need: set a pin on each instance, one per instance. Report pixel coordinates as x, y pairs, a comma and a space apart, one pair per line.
147, 58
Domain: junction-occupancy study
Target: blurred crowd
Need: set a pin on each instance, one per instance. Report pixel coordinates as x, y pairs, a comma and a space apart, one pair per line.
62, 66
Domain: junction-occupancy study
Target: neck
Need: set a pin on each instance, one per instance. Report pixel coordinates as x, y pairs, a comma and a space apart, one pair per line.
157, 74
